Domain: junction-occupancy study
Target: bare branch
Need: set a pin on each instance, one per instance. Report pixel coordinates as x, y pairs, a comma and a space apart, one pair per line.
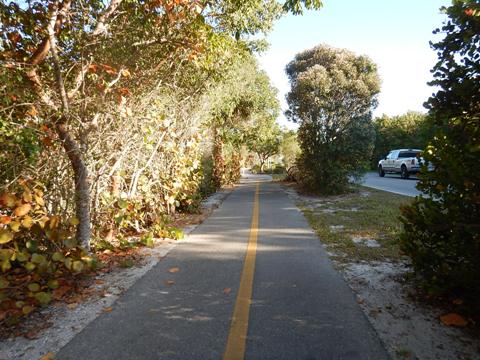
56, 61
101, 27
79, 79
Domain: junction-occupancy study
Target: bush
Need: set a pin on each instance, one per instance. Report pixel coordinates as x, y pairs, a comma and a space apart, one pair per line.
38, 253
441, 229
277, 169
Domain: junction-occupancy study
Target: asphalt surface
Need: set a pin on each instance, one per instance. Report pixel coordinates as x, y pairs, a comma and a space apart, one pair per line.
392, 183
300, 308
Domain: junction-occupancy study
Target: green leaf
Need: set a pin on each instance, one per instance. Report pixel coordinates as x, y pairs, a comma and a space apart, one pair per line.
5, 236
122, 204
58, 256
15, 226
88, 260
22, 257
27, 309
68, 263
43, 298
3, 282
6, 265
33, 287
70, 243
5, 254
29, 266
38, 259
53, 284
77, 266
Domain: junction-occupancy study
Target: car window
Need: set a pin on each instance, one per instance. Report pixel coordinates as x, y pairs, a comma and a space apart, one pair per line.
408, 154
392, 155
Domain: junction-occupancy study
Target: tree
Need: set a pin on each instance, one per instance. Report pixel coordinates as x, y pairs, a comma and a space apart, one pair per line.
441, 229
245, 101
289, 148
264, 139
409, 130
77, 67
332, 94
106, 108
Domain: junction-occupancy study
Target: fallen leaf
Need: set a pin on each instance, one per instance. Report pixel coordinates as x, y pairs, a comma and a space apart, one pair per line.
173, 270
169, 282
72, 306
453, 319
107, 309
227, 291
457, 302
31, 335
32, 111
108, 69
61, 291
99, 282
92, 68
47, 356
124, 91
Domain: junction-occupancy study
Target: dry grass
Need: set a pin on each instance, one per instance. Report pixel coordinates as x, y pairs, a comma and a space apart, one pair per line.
370, 217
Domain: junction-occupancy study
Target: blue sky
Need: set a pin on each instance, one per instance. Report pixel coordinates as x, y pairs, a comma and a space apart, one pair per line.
394, 34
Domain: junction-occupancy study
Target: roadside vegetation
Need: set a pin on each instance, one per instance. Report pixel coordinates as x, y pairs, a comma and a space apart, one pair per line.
407, 131
114, 117
333, 93
360, 226
442, 229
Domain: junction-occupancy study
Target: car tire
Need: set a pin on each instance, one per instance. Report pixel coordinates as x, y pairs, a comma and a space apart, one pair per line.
381, 173
404, 172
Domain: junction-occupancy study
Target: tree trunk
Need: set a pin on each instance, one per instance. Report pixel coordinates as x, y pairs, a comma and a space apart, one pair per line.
82, 188
262, 164
218, 161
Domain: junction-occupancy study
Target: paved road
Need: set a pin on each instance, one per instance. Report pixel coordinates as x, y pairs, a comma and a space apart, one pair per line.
256, 260
392, 183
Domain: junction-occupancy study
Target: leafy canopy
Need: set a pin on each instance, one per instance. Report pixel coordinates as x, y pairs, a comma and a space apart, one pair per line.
333, 93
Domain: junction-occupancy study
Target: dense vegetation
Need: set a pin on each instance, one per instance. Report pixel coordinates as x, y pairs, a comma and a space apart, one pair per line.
410, 131
442, 229
114, 115
332, 97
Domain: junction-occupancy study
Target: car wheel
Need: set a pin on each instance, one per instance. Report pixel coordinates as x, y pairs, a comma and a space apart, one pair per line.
404, 172
381, 173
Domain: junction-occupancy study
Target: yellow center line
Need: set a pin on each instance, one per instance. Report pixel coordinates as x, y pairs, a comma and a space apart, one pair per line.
237, 336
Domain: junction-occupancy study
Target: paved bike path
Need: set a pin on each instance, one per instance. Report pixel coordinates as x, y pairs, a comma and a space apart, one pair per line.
300, 307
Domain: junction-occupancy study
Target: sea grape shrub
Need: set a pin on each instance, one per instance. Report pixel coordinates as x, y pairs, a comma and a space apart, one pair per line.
38, 252
441, 227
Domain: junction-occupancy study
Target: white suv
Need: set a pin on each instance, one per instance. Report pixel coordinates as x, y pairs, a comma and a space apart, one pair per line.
402, 161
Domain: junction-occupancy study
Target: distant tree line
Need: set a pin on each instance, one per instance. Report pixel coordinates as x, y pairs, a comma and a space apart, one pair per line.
408, 131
